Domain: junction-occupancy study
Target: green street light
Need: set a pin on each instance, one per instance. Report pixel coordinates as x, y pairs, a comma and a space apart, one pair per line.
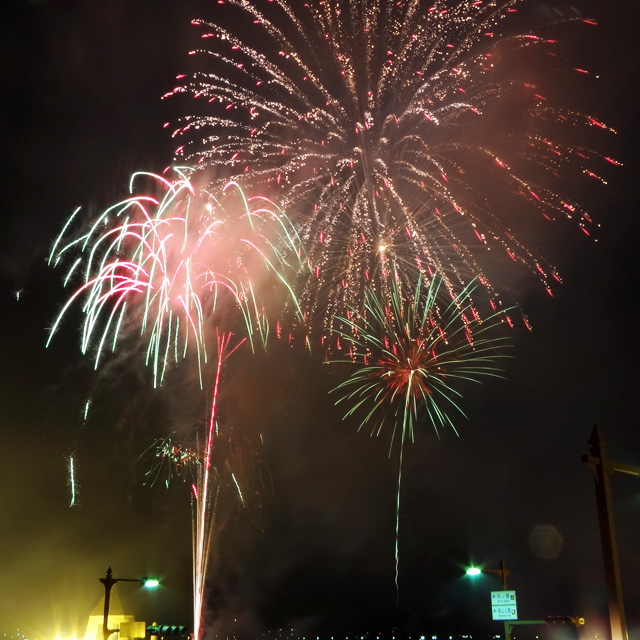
108, 581
502, 572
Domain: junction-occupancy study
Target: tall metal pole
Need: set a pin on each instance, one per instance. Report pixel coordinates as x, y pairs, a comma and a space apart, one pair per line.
602, 469
108, 582
503, 572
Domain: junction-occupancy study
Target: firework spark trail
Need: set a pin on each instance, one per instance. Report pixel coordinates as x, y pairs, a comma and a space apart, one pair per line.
382, 126
203, 525
410, 355
209, 479
224, 472
162, 266
73, 487
175, 458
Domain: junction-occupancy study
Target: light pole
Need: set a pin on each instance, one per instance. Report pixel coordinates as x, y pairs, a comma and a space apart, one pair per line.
602, 468
108, 582
502, 572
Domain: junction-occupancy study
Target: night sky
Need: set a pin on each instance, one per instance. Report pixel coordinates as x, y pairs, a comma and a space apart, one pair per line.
81, 110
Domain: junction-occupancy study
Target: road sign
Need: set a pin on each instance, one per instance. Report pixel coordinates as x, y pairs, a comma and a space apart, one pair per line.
503, 605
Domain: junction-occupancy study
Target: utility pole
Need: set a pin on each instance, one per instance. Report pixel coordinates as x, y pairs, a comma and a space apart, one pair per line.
108, 582
602, 469
502, 572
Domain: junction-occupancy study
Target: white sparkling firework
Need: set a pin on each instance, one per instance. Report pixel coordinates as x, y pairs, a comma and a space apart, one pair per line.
382, 127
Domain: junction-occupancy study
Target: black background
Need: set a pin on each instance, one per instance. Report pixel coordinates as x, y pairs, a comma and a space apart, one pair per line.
81, 110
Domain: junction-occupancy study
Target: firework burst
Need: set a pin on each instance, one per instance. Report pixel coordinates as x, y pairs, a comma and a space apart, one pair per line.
411, 353
166, 263
411, 356
171, 459
382, 126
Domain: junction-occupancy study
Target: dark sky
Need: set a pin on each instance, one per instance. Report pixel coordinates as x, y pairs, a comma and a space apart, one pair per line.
81, 110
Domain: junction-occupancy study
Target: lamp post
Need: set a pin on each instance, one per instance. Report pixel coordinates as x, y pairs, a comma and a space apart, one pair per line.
502, 572
108, 582
602, 468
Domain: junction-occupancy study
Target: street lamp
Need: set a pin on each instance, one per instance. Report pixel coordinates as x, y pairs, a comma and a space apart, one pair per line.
150, 583
108, 582
502, 572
